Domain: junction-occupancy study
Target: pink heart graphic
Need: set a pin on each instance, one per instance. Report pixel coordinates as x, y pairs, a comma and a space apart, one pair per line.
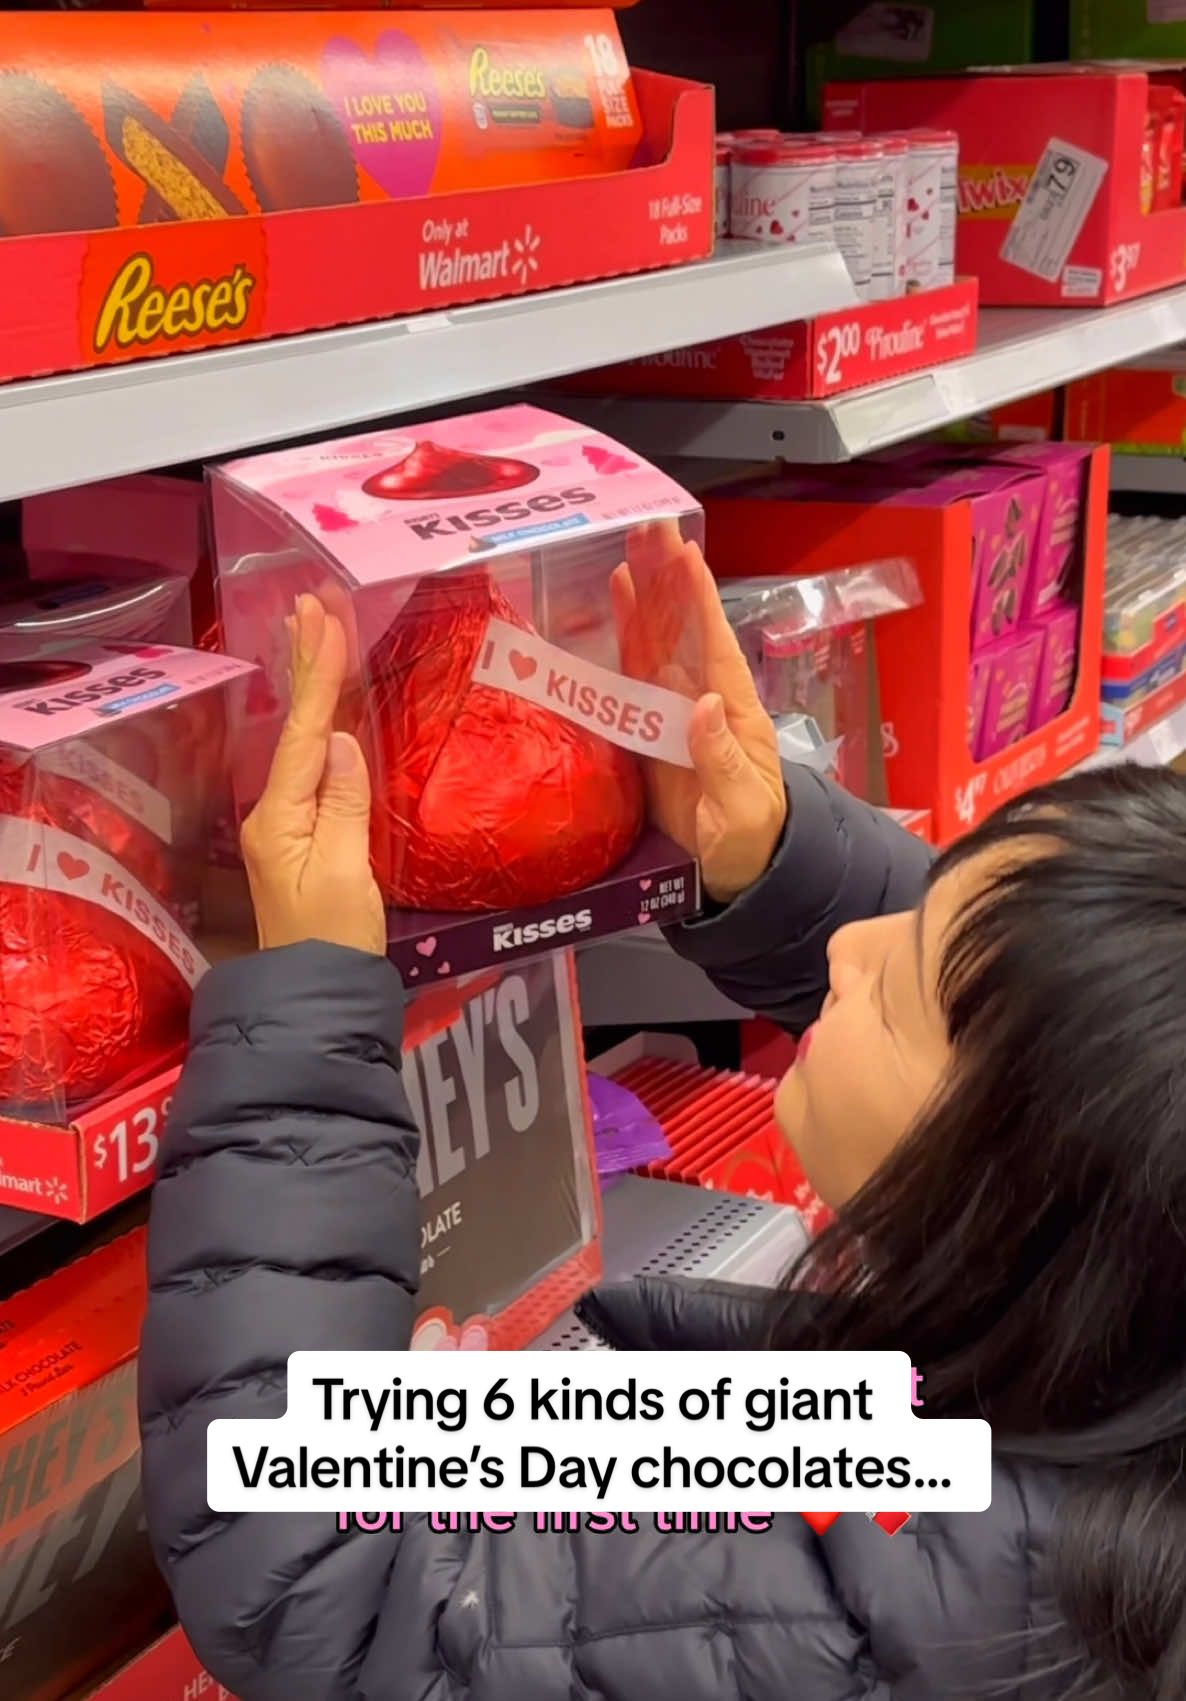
445, 969
73, 867
606, 462
389, 109
413, 974
426, 947
645, 885
522, 666
332, 519
643, 918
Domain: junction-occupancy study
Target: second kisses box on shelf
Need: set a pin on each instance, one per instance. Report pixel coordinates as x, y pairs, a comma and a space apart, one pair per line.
522, 659
113, 765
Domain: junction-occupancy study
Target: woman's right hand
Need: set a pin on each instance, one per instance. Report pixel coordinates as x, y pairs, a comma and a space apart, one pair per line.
730, 809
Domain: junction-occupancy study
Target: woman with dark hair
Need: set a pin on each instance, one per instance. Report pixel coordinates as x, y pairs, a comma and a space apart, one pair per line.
990, 1092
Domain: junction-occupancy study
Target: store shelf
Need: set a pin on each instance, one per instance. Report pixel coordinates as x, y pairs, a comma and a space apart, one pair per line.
1162, 743
660, 1228
1022, 352
1149, 475
89, 425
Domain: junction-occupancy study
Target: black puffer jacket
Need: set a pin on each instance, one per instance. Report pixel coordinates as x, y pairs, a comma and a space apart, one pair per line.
287, 1217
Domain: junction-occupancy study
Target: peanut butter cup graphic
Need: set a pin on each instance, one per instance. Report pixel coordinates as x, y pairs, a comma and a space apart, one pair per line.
198, 121
295, 149
570, 101
164, 160
431, 472
53, 173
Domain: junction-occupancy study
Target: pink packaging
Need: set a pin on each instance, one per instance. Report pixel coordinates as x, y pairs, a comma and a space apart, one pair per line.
1059, 632
1006, 513
508, 681
1012, 666
1065, 467
977, 692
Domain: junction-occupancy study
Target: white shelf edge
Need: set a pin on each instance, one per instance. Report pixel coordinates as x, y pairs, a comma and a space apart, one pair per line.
1022, 352
82, 426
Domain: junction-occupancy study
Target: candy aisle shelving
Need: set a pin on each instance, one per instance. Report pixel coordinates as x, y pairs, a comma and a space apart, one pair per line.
84, 426
1021, 352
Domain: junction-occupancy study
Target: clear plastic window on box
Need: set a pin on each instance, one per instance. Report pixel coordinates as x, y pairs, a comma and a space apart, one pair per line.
810, 646
522, 652
113, 764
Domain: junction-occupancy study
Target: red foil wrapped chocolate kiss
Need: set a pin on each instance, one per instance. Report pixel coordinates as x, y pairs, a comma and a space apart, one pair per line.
432, 473
483, 801
87, 1003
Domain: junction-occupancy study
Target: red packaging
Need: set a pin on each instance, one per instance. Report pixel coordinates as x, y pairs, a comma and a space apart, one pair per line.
78, 1585
924, 654
868, 343
167, 1670
109, 294
1167, 123
510, 1210
112, 769
1050, 201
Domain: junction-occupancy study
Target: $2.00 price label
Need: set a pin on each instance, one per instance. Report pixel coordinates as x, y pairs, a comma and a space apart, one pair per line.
838, 349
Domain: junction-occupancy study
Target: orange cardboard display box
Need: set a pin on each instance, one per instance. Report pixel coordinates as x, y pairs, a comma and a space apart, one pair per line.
1138, 410
924, 653
107, 123
78, 1586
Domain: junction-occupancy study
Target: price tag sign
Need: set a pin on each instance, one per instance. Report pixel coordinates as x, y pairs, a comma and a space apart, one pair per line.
1062, 192
123, 1144
838, 349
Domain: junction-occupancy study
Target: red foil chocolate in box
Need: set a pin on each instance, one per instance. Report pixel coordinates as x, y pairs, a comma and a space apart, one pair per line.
78, 1586
111, 770
519, 650
510, 1215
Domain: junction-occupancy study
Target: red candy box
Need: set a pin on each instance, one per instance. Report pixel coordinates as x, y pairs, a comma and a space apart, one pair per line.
110, 775
519, 656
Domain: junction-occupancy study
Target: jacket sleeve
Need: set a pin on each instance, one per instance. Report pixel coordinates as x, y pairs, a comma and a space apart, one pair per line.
286, 1217
839, 861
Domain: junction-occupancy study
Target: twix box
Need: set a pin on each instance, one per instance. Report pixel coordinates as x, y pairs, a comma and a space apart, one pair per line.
108, 120
78, 1586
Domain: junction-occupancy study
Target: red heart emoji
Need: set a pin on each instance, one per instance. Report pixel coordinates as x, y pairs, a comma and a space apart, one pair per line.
73, 867
522, 666
820, 1521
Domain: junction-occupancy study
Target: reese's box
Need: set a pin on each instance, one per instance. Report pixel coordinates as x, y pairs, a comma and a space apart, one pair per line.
109, 119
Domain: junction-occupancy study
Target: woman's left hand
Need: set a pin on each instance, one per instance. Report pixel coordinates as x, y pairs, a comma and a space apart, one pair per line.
306, 843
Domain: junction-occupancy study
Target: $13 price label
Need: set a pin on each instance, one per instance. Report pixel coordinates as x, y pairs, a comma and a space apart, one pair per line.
124, 1153
837, 348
